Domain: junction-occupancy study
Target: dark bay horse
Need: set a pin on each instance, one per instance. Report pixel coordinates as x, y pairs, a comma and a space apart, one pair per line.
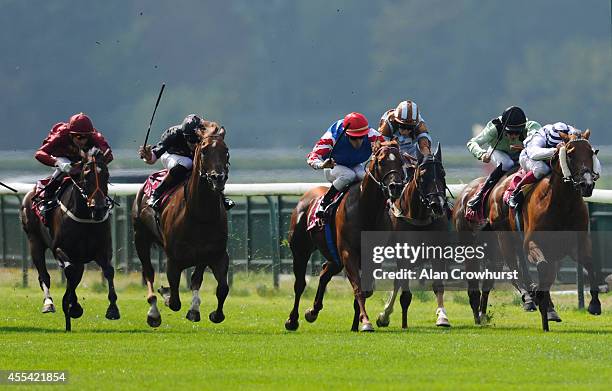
363, 208
556, 204
422, 206
496, 219
79, 231
192, 229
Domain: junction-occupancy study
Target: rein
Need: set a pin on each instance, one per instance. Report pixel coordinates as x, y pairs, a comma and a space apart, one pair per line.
381, 184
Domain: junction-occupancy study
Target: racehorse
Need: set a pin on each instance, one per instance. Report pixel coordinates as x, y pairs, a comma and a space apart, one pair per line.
556, 204
79, 231
495, 219
423, 206
363, 208
191, 228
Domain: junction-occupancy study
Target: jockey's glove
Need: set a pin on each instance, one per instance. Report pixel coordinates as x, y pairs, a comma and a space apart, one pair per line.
64, 166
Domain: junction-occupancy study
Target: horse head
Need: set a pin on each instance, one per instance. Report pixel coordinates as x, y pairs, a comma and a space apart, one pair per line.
430, 183
577, 160
212, 156
93, 182
386, 169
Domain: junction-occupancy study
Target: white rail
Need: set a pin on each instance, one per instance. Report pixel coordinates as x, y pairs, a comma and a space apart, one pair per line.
262, 189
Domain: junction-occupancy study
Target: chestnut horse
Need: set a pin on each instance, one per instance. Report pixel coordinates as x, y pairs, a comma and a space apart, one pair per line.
423, 206
79, 231
363, 208
191, 228
556, 204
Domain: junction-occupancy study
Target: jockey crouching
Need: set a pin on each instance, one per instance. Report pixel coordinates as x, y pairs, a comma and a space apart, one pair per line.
540, 147
62, 147
341, 152
175, 150
406, 125
503, 137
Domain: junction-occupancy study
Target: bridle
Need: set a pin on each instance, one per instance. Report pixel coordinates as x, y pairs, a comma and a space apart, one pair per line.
565, 171
381, 184
210, 178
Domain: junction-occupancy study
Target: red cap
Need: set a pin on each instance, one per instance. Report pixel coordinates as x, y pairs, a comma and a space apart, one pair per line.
80, 124
356, 124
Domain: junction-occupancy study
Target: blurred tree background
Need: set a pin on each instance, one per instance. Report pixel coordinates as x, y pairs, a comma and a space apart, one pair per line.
277, 73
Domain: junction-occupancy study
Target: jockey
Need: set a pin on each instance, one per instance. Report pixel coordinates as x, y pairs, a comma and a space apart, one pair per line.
540, 147
175, 150
406, 124
63, 146
503, 136
341, 152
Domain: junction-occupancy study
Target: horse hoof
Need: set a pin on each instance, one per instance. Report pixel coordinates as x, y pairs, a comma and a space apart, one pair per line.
553, 316
442, 320
311, 315
48, 308
367, 327
153, 322
529, 306
477, 319
292, 325
165, 293
216, 317
112, 313
381, 321
76, 311
594, 308
175, 306
193, 316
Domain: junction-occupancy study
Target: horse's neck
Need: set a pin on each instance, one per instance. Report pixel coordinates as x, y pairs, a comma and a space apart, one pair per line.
201, 202
411, 203
72, 199
371, 201
562, 194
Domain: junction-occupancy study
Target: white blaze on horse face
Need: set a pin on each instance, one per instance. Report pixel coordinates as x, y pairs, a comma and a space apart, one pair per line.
195, 301
391, 156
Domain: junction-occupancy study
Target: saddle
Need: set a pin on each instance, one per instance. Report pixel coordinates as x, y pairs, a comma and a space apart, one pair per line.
153, 182
478, 216
515, 179
39, 197
316, 223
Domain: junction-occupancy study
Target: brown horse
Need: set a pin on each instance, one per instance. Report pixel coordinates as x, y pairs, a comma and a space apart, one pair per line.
79, 231
423, 206
496, 219
555, 204
363, 208
191, 228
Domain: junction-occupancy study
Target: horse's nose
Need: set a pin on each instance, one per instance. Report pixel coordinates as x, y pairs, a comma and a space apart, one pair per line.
395, 189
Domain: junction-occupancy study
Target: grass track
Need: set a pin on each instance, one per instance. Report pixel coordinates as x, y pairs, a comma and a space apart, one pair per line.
251, 349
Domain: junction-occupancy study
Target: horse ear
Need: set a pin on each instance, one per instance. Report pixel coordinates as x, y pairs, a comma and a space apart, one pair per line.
595, 151
438, 154
221, 132
564, 136
586, 134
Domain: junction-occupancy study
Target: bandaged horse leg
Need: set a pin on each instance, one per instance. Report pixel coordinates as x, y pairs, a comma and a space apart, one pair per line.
196, 283
438, 289
330, 269
384, 317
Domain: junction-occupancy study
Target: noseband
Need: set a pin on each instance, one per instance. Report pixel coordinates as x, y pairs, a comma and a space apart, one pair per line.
207, 176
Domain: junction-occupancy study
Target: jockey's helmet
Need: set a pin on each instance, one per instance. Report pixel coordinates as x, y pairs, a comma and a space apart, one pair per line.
80, 124
189, 126
356, 124
514, 119
407, 114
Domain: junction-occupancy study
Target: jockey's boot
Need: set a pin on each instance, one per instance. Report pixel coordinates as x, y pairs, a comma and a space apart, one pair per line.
327, 199
49, 199
228, 203
175, 176
517, 197
475, 202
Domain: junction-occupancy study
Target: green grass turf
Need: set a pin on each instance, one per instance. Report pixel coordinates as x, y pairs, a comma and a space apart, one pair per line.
251, 349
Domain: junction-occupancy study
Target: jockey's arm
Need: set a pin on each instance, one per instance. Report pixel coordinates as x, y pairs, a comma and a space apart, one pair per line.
321, 151
101, 143
424, 141
536, 148
486, 137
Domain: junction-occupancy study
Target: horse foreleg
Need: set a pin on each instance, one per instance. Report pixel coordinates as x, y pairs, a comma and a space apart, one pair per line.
405, 300
438, 289
329, 270
585, 258
546, 277
112, 312
474, 290
384, 318
196, 283
220, 272
352, 273
70, 306
174, 279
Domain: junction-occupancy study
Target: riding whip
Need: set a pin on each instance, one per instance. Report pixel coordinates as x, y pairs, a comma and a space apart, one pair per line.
153, 115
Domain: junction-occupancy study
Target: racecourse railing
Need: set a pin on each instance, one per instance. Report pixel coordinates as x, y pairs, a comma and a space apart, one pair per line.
257, 226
